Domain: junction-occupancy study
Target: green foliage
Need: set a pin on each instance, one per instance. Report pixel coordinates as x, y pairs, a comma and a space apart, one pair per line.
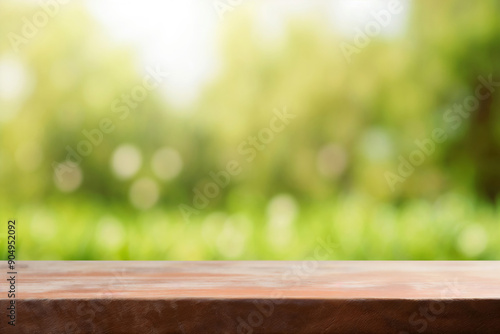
353, 122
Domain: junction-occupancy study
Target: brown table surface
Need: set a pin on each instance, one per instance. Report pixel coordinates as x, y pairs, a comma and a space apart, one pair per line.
255, 297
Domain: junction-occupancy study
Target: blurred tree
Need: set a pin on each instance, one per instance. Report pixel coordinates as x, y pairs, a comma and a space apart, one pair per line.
466, 38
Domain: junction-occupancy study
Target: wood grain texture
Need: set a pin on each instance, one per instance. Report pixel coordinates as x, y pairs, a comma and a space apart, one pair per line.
255, 297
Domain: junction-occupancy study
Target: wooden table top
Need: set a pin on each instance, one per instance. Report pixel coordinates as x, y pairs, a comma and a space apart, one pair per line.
255, 297
250, 279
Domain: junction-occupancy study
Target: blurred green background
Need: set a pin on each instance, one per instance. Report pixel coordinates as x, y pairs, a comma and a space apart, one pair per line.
324, 177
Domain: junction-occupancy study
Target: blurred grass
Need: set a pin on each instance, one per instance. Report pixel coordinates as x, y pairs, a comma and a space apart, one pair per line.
451, 228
